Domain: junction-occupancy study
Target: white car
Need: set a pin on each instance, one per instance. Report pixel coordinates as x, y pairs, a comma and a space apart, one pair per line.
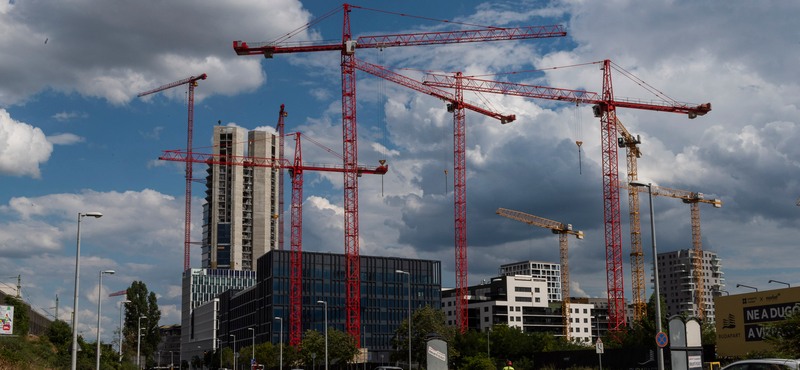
764, 364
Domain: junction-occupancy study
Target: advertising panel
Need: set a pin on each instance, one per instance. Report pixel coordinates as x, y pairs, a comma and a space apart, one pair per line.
437, 355
740, 318
6, 320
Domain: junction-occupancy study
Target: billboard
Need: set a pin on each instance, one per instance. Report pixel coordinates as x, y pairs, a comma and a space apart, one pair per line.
6, 320
740, 318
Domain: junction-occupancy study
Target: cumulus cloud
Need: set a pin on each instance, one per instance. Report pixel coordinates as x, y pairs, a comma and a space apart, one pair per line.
64, 116
148, 51
65, 139
22, 147
156, 220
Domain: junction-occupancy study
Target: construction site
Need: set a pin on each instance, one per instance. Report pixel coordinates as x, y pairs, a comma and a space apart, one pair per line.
243, 219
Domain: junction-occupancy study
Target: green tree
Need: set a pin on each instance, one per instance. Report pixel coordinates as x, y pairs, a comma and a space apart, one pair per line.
424, 321
341, 347
785, 336
227, 357
479, 362
21, 320
142, 303
266, 354
291, 356
197, 363
709, 334
313, 342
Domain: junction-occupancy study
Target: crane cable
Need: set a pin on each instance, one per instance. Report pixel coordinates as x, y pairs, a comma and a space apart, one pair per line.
382, 111
578, 132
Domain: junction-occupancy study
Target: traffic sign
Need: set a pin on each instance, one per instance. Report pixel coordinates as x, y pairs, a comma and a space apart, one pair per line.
661, 339
252, 362
599, 346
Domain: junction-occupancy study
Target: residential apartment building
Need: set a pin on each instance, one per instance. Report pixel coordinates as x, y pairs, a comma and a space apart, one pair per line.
199, 287
519, 301
551, 272
677, 286
241, 201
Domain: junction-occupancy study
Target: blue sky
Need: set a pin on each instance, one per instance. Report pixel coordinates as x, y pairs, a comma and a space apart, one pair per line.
74, 137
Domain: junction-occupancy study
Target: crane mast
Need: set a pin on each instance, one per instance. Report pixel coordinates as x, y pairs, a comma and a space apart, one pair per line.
563, 231
347, 48
187, 227
631, 145
694, 200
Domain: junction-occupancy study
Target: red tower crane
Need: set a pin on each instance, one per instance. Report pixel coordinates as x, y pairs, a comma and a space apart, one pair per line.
296, 169
192, 81
347, 48
281, 115
605, 106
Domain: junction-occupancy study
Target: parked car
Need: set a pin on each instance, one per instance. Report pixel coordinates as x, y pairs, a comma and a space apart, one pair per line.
764, 364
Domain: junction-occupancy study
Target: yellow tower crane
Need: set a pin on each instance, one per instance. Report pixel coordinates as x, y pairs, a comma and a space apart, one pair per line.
694, 200
563, 230
631, 145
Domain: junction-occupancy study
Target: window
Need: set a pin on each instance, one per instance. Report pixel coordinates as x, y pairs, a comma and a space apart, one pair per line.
523, 299
585, 321
522, 289
519, 308
585, 330
486, 319
536, 290
584, 311
486, 309
538, 299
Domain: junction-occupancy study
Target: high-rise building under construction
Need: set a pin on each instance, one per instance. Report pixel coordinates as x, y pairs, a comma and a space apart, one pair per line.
240, 220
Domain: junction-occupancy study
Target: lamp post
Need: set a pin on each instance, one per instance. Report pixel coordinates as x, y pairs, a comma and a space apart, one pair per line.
747, 286
326, 332
776, 281
99, 300
409, 314
139, 342
234, 351
655, 268
120, 328
77, 278
281, 339
170, 360
253, 346
159, 359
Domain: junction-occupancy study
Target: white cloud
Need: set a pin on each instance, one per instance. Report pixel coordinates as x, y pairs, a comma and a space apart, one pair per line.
64, 116
65, 139
22, 147
155, 219
152, 135
149, 51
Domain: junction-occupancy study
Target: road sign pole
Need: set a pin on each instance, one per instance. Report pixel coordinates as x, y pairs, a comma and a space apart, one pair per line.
599, 348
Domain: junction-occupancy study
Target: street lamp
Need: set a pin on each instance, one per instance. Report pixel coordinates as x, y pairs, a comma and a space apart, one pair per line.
409, 314
77, 278
139, 342
655, 267
170, 359
234, 351
99, 300
281, 339
253, 346
120, 328
776, 281
326, 332
747, 286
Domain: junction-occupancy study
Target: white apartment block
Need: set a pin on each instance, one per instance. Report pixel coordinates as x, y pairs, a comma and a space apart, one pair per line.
676, 281
518, 301
551, 272
238, 222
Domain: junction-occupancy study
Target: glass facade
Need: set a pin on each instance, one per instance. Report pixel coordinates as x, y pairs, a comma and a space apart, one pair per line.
384, 296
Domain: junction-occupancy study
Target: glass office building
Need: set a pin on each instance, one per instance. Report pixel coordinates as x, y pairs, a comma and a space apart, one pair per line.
201, 286
384, 297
